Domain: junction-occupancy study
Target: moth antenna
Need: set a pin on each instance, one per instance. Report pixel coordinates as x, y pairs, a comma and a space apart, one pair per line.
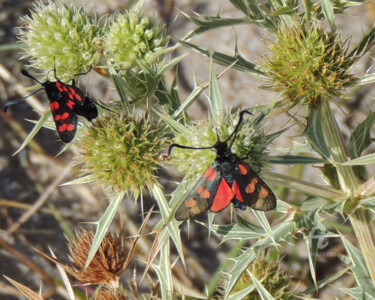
20, 100
186, 147
98, 104
217, 134
234, 133
84, 73
27, 74
54, 69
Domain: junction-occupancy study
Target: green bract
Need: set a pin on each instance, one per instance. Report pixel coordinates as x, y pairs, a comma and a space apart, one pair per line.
133, 36
61, 35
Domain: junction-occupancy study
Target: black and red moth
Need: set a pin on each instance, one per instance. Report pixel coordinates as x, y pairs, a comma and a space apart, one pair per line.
66, 102
227, 180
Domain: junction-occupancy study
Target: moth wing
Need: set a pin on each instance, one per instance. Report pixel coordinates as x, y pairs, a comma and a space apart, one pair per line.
65, 120
87, 110
252, 190
201, 197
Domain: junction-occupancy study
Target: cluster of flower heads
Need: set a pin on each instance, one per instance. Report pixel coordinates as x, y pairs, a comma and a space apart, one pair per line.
64, 35
123, 152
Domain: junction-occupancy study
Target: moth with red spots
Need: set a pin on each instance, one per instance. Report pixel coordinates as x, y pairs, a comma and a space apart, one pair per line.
66, 102
229, 179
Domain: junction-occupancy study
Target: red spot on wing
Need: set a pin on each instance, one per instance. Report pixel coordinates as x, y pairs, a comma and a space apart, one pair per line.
242, 169
203, 193
263, 193
190, 203
58, 85
65, 116
74, 94
236, 191
65, 89
70, 104
208, 172
66, 127
57, 117
212, 176
54, 105
62, 127
71, 96
250, 188
223, 197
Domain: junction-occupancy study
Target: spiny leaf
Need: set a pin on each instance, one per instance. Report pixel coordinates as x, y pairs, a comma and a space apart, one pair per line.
164, 271
238, 62
215, 99
360, 138
103, 225
359, 268
35, 130
315, 133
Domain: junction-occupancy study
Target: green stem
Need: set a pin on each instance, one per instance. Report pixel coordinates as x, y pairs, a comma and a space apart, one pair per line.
348, 180
361, 221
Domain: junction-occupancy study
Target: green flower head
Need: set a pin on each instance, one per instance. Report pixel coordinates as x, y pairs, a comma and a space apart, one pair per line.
121, 152
275, 280
133, 36
250, 142
62, 35
308, 64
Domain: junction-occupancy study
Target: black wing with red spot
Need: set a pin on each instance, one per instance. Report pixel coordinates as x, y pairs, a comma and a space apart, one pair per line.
202, 196
251, 190
65, 120
64, 101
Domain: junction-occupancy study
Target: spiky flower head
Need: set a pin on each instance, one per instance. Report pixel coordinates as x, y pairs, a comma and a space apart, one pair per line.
133, 36
269, 273
121, 152
308, 64
103, 293
107, 265
60, 34
250, 142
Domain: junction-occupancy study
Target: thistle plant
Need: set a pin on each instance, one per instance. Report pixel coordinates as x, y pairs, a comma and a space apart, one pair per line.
309, 65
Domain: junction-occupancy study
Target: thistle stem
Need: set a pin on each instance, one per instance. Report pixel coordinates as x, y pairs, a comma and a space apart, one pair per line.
360, 219
361, 222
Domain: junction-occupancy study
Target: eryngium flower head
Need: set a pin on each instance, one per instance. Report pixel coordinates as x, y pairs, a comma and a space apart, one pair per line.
273, 278
107, 265
133, 36
121, 152
103, 293
62, 35
250, 142
308, 64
